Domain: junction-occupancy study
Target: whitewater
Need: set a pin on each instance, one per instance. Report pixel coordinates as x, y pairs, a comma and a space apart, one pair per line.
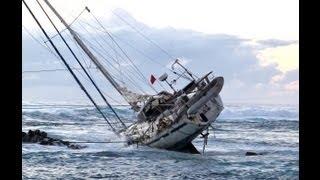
269, 129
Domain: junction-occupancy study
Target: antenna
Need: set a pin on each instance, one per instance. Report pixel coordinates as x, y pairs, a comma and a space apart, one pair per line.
164, 77
184, 68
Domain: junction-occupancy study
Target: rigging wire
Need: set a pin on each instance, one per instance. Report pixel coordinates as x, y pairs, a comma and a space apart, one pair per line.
129, 78
128, 44
120, 72
101, 90
84, 77
92, 81
67, 105
104, 142
83, 58
109, 33
82, 55
69, 25
148, 39
53, 70
67, 65
45, 46
63, 69
139, 51
123, 52
35, 39
133, 47
111, 57
151, 41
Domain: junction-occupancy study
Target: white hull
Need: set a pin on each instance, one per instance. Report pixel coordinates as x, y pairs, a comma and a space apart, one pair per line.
185, 131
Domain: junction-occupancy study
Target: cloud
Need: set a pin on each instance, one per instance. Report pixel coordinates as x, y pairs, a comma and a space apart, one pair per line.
286, 58
276, 42
254, 70
263, 19
292, 86
286, 77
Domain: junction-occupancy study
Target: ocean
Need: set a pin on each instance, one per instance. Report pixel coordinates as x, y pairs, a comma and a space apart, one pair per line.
269, 129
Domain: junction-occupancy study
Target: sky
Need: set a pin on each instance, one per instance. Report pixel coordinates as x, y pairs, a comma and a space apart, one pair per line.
253, 44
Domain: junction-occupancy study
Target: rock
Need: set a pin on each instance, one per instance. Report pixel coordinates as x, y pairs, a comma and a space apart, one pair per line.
253, 153
65, 143
46, 139
30, 133
46, 142
74, 146
33, 139
43, 134
26, 138
41, 137
55, 142
37, 132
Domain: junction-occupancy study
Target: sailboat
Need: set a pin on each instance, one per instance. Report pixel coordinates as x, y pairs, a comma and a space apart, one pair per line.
165, 120
172, 120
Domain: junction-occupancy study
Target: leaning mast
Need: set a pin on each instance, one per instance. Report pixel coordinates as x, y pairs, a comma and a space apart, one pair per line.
88, 52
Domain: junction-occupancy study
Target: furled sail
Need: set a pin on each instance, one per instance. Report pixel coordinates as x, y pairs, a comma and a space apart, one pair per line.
133, 98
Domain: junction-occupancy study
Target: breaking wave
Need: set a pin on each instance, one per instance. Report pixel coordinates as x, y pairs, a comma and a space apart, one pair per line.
256, 112
270, 129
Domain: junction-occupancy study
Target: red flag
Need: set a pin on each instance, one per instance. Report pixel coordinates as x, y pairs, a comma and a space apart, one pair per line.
152, 79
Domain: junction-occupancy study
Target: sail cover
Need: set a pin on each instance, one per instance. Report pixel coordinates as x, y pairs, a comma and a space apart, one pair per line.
133, 98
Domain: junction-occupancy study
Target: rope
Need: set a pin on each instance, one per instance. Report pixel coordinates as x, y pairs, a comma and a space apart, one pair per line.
133, 47
111, 65
155, 44
35, 39
139, 72
93, 142
68, 105
69, 25
54, 70
83, 58
67, 65
48, 49
117, 69
78, 124
130, 45
92, 81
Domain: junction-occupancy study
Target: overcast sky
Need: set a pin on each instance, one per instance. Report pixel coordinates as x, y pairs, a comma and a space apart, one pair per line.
253, 44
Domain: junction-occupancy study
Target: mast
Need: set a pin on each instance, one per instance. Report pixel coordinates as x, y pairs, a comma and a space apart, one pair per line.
87, 51
69, 69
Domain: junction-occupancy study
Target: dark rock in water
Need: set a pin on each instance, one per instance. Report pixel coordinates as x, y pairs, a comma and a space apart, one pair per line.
75, 146
46, 142
253, 153
65, 143
57, 143
30, 133
37, 132
43, 134
25, 137
41, 137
